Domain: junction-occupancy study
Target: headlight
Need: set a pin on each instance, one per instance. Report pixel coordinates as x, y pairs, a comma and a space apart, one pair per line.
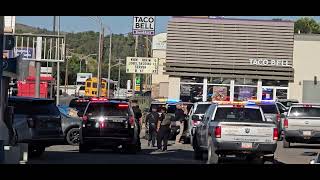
101, 119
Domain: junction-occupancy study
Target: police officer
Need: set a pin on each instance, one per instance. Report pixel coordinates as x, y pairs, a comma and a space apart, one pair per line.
152, 121
137, 116
163, 130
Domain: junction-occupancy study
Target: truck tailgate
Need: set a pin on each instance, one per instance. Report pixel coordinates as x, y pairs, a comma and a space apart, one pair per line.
247, 132
304, 123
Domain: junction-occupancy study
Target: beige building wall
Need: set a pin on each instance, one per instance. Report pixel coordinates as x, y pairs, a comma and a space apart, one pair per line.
160, 80
306, 63
174, 88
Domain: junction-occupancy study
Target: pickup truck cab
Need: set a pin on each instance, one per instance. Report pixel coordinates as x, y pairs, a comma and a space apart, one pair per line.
302, 124
239, 129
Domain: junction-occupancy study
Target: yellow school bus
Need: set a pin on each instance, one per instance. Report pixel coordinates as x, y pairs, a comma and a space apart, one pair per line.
91, 89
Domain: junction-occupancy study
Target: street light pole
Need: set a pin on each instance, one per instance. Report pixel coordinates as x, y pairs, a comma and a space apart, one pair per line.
109, 66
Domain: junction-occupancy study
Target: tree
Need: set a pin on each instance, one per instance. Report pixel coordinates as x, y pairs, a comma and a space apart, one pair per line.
306, 25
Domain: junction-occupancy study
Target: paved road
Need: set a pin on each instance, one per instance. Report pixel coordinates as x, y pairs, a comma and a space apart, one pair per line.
177, 154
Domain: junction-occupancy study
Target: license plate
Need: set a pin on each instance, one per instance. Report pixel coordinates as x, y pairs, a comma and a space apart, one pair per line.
307, 133
246, 145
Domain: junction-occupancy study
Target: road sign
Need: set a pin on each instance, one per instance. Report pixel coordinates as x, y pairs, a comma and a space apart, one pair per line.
27, 53
143, 25
142, 65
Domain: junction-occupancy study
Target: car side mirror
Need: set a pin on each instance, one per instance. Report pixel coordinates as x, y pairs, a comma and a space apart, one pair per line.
195, 118
80, 114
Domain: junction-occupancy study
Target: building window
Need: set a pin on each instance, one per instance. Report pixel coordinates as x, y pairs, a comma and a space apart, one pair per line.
244, 93
218, 93
218, 80
191, 92
275, 83
282, 93
191, 80
267, 93
244, 81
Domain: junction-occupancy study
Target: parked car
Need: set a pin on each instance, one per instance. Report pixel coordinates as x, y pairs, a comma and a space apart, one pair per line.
272, 113
79, 104
198, 109
234, 129
316, 160
70, 126
287, 102
302, 124
109, 124
37, 122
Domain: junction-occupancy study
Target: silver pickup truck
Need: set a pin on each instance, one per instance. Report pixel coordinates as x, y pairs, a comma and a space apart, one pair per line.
233, 129
302, 124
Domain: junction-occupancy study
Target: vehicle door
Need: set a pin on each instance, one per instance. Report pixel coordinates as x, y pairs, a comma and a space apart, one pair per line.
204, 125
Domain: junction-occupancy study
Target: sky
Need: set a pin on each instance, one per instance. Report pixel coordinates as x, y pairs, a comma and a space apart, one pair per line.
117, 24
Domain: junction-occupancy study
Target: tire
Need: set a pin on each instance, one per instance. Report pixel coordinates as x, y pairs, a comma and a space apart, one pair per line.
35, 151
72, 136
197, 153
84, 148
213, 158
285, 144
268, 159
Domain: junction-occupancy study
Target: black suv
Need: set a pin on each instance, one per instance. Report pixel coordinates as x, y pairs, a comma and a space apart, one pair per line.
37, 122
108, 124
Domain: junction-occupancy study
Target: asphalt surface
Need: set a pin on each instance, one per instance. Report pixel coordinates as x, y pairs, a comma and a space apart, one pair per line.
177, 154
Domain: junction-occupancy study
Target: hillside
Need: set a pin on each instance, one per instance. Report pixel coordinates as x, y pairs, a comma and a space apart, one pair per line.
85, 43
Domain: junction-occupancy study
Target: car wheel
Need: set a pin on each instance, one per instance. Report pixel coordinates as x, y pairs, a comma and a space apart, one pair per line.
35, 151
83, 148
73, 136
285, 144
197, 154
213, 158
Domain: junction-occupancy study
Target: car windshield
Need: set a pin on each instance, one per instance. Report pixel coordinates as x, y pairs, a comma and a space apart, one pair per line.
304, 112
106, 109
269, 108
230, 114
201, 108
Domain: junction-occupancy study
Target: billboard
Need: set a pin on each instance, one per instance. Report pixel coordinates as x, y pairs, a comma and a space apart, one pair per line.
27, 53
141, 65
143, 25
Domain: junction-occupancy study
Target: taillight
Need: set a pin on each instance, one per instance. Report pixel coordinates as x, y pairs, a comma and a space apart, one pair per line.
124, 106
278, 117
131, 121
85, 118
275, 134
217, 132
285, 123
31, 122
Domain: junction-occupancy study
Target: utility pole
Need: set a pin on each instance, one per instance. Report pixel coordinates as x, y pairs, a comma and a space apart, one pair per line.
119, 74
109, 66
3, 131
58, 64
38, 66
147, 55
52, 64
134, 75
101, 39
66, 76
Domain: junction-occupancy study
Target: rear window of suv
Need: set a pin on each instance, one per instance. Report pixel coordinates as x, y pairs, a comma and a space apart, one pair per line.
304, 112
201, 108
230, 114
106, 109
269, 108
36, 108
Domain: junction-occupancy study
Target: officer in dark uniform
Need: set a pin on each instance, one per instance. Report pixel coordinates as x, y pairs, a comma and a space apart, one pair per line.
137, 116
152, 121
